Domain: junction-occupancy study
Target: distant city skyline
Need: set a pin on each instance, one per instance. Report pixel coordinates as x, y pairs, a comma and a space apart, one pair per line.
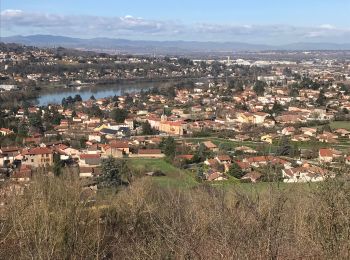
251, 21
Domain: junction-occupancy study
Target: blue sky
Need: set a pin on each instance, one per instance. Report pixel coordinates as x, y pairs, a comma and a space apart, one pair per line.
253, 21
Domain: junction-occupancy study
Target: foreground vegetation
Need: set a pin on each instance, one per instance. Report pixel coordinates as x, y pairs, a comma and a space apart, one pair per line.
56, 218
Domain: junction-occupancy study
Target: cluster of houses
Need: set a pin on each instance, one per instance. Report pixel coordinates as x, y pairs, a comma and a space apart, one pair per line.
254, 166
242, 115
113, 67
24, 160
105, 137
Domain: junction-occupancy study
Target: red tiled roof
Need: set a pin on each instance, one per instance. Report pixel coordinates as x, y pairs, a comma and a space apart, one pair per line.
253, 176
212, 162
86, 169
185, 156
10, 149
214, 176
209, 144
89, 156
261, 159
37, 150
243, 165
324, 152
119, 144
175, 123
224, 157
5, 130
150, 151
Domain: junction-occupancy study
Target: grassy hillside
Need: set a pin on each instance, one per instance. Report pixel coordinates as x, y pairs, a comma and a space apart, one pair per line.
174, 177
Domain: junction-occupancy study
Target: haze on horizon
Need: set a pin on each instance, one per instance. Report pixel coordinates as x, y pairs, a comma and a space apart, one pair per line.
251, 21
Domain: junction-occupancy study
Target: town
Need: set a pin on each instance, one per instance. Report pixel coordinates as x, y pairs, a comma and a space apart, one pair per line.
174, 130
248, 121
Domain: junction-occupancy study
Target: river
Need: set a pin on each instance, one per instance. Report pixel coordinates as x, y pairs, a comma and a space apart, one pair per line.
55, 95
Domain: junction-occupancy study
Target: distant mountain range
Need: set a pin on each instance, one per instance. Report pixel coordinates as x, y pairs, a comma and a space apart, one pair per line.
161, 47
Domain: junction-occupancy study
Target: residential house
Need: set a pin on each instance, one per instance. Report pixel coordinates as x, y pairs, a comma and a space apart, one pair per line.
95, 137
185, 157
309, 131
86, 172
212, 163
301, 138
37, 157
8, 155
216, 176
223, 159
288, 130
117, 149
268, 138
258, 161
252, 176
327, 137
326, 155
173, 127
304, 174
211, 146
89, 160
342, 132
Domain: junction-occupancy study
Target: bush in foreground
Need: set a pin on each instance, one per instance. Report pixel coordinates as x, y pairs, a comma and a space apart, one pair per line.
52, 220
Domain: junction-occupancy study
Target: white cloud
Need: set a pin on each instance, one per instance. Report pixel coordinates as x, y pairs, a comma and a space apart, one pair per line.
11, 13
128, 26
83, 24
327, 26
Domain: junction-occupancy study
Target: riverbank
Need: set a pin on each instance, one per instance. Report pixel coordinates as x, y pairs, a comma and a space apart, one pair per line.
55, 95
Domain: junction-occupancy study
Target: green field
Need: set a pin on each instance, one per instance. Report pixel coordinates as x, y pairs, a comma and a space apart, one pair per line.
184, 179
174, 177
340, 124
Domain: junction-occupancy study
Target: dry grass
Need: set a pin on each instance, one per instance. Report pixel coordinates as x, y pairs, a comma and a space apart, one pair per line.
144, 221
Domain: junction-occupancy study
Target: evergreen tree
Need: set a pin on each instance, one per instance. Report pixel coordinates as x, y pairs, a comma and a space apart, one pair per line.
129, 100
77, 98
115, 98
147, 128
277, 108
22, 129
235, 170
119, 115
114, 173
284, 149
57, 165
259, 87
35, 121
321, 100
64, 102
169, 147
